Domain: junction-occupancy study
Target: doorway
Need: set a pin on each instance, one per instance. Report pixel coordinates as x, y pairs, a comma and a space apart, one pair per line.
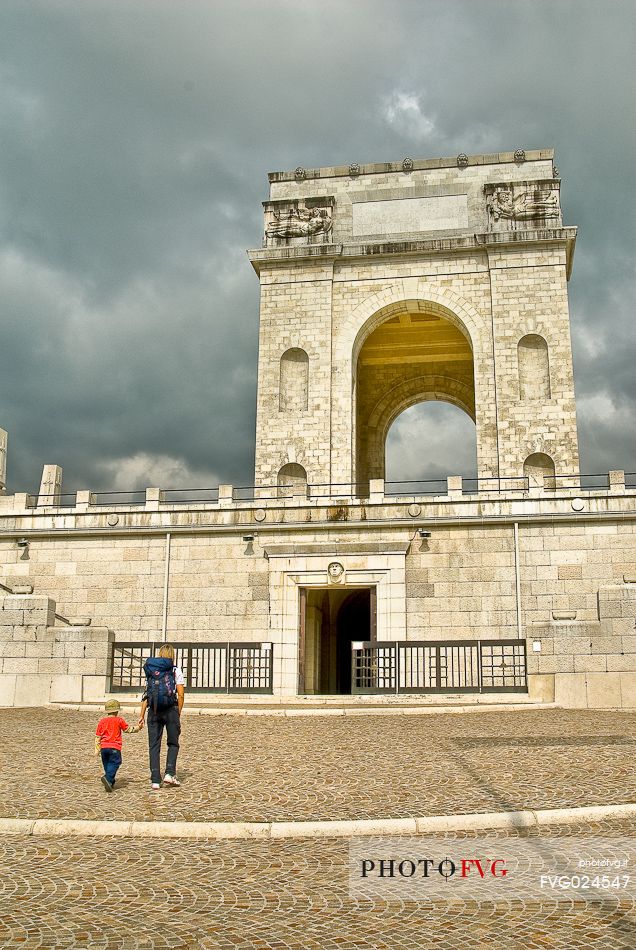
331, 619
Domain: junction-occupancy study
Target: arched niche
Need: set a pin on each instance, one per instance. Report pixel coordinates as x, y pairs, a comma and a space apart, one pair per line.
417, 352
292, 481
534, 368
538, 468
294, 381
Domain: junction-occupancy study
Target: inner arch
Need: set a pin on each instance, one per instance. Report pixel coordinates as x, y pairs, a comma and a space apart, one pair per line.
414, 352
430, 441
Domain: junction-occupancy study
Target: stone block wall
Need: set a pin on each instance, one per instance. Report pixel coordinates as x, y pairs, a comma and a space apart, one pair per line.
225, 582
563, 566
295, 315
41, 662
461, 584
218, 586
593, 662
529, 297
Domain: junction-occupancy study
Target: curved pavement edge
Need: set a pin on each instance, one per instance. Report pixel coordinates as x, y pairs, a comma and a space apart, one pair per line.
315, 829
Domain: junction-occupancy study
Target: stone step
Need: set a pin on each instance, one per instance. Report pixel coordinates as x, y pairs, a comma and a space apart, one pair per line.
195, 698
335, 706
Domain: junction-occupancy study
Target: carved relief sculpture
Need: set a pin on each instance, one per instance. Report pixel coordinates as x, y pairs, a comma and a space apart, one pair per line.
299, 223
285, 220
511, 205
335, 572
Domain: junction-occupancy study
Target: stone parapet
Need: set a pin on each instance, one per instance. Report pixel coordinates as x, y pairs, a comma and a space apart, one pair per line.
457, 502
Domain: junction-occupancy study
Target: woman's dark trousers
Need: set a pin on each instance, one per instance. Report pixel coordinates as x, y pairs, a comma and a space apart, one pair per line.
156, 721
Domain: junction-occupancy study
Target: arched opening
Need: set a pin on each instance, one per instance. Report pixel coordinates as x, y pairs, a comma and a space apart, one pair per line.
415, 352
294, 381
538, 468
430, 441
534, 368
292, 481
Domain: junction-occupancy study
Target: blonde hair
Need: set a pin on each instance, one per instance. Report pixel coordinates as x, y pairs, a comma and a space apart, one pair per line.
167, 651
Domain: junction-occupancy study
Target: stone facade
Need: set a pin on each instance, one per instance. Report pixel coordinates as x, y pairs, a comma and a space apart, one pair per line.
381, 286
234, 570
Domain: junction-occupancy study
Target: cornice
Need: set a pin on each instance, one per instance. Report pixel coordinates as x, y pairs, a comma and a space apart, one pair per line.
298, 254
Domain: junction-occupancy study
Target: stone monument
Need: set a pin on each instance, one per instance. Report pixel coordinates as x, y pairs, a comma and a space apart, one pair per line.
386, 285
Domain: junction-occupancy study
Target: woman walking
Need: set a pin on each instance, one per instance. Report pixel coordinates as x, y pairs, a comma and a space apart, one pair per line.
163, 700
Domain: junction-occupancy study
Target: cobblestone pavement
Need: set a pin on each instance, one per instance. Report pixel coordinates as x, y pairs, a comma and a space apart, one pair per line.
116, 894
311, 768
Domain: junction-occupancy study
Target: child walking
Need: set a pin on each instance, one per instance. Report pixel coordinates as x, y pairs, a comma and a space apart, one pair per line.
108, 741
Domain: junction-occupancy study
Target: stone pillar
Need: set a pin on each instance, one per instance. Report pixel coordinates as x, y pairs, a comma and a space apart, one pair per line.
50, 486
616, 482
454, 486
226, 496
376, 491
84, 499
3, 459
154, 497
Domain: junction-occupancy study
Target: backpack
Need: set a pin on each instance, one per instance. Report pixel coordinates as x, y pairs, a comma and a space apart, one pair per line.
161, 688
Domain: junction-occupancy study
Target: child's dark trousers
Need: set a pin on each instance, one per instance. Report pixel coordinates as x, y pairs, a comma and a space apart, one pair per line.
111, 760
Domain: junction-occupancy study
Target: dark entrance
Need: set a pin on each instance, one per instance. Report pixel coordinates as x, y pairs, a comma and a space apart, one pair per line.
330, 620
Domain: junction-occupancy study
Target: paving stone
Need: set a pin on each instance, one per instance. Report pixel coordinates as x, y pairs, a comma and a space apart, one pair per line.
272, 768
255, 895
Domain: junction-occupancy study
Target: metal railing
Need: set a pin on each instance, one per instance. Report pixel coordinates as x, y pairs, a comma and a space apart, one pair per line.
501, 485
432, 486
54, 500
339, 490
252, 493
231, 667
301, 491
298, 493
190, 496
438, 666
135, 497
576, 482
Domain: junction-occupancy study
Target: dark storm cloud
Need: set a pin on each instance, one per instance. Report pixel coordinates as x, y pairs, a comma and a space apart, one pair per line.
136, 139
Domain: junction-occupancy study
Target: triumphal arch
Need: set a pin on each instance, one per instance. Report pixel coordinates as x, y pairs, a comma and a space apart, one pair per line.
386, 285
382, 286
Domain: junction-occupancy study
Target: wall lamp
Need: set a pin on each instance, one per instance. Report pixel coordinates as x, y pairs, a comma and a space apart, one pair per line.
423, 533
22, 542
248, 538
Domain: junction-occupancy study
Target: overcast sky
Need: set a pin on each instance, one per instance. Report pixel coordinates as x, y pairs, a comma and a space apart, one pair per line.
136, 137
